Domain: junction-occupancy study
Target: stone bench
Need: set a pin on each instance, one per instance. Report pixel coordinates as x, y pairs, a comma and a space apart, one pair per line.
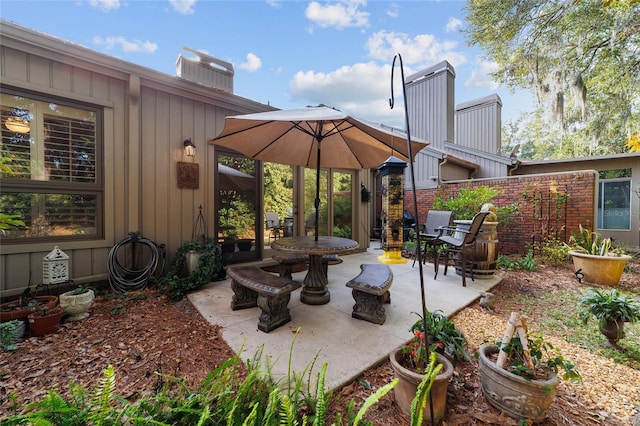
286, 261
370, 292
254, 287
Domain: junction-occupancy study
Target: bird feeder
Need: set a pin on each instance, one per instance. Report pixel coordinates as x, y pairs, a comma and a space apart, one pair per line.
392, 172
55, 267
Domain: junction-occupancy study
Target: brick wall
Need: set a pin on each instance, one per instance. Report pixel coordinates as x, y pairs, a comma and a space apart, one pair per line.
540, 213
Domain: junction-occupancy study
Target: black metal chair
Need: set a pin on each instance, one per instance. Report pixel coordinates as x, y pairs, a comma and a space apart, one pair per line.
436, 219
460, 243
272, 224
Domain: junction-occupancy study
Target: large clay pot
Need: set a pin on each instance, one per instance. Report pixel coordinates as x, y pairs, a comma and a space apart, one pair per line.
603, 270
405, 390
516, 396
76, 305
41, 325
12, 310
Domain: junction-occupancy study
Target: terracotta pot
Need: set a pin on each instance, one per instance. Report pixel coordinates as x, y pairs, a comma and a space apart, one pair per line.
41, 325
76, 305
12, 310
516, 396
603, 270
405, 390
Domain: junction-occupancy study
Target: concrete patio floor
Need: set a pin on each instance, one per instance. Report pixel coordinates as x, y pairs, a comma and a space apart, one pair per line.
349, 346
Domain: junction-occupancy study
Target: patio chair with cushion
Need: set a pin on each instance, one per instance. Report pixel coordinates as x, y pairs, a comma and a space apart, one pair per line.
272, 224
428, 238
460, 243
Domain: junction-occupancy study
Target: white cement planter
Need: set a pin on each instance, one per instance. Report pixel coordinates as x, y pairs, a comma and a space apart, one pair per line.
76, 305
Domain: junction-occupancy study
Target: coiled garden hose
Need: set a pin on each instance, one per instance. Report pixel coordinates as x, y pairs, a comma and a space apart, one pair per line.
129, 277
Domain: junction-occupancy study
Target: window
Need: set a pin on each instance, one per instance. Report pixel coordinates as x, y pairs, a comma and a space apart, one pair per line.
614, 204
51, 156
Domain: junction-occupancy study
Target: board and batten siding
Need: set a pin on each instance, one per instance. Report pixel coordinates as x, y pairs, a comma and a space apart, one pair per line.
146, 117
21, 264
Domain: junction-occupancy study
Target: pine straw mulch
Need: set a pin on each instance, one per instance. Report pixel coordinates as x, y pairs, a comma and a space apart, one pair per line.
143, 333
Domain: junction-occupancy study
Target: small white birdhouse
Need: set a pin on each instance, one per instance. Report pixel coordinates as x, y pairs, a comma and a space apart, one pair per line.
55, 267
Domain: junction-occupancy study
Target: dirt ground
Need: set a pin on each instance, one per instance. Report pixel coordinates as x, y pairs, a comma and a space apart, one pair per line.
144, 333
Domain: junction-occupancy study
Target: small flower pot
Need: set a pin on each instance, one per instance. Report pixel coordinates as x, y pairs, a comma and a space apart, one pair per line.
12, 310
76, 305
46, 322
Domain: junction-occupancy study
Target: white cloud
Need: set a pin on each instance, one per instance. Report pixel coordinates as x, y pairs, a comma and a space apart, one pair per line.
481, 77
362, 89
341, 14
253, 63
111, 42
105, 5
275, 3
453, 25
184, 7
422, 50
393, 10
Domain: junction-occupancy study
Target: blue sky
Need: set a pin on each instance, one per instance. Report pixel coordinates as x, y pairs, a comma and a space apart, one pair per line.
285, 53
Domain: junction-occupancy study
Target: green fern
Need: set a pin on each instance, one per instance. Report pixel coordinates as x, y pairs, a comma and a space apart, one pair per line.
321, 403
373, 399
424, 388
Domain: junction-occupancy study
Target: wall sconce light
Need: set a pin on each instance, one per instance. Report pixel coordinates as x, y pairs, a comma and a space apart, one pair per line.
18, 125
189, 148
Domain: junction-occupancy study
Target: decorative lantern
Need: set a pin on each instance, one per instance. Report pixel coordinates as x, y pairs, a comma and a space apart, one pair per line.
55, 267
392, 172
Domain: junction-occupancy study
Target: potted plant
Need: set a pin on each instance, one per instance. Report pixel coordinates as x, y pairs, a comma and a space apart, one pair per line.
210, 267
77, 302
23, 306
611, 310
44, 321
412, 364
447, 339
519, 375
596, 259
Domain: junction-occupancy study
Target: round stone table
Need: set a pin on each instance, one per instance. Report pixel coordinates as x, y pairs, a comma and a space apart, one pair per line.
314, 289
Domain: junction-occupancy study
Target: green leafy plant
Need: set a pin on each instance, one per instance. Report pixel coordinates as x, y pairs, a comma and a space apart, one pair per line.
8, 335
542, 354
589, 242
210, 264
528, 263
603, 305
444, 337
469, 201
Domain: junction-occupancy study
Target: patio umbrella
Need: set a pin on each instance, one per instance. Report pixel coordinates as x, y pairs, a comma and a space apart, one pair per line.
314, 137
232, 179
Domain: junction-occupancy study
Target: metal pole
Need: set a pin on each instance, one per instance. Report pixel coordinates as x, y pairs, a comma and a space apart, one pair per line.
415, 209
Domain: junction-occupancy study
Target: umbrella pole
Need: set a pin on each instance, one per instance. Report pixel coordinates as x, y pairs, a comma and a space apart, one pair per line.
316, 202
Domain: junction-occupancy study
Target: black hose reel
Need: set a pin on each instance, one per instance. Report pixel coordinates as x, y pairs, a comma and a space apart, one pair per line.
134, 261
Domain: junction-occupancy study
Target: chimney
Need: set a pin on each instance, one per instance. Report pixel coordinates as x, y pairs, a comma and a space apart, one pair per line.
431, 103
205, 70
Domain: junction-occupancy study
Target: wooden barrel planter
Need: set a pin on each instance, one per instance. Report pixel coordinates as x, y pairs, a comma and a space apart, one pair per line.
485, 252
485, 255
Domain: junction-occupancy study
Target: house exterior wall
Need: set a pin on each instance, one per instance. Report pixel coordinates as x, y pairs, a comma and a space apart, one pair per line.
612, 162
518, 237
146, 116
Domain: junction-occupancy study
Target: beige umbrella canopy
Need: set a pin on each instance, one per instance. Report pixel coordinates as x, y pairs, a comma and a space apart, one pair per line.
232, 179
314, 137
